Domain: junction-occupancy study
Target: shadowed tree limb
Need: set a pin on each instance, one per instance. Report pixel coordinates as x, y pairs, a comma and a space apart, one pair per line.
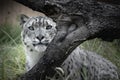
90, 18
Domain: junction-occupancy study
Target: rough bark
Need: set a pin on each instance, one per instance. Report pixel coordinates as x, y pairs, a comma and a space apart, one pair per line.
90, 18
89, 9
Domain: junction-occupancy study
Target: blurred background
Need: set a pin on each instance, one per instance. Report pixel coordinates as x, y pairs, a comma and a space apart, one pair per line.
12, 58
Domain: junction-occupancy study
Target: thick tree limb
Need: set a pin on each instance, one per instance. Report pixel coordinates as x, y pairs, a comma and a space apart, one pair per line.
51, 7
90, 18
89, 9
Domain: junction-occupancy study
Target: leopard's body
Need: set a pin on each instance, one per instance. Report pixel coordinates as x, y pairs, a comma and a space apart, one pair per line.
38, 32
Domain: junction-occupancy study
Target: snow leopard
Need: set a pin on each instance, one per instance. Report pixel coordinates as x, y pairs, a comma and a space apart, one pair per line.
38, 32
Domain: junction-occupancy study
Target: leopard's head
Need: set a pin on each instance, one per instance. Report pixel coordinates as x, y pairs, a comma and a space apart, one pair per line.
37, 32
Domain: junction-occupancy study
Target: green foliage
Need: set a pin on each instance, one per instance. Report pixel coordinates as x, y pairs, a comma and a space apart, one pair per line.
84, 73
9, 34
109, 50
12, 58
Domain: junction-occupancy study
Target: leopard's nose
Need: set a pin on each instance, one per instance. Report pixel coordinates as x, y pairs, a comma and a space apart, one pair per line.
40, 37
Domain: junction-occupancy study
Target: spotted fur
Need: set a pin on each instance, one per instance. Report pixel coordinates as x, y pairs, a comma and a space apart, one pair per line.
38, 32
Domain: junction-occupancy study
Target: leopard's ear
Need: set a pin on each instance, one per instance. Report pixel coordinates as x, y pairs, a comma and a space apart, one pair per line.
23, 19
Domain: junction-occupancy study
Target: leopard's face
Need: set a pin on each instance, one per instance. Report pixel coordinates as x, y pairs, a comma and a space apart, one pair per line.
38, 32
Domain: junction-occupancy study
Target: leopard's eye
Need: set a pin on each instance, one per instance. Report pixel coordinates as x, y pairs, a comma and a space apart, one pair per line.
48, 27
31, 28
